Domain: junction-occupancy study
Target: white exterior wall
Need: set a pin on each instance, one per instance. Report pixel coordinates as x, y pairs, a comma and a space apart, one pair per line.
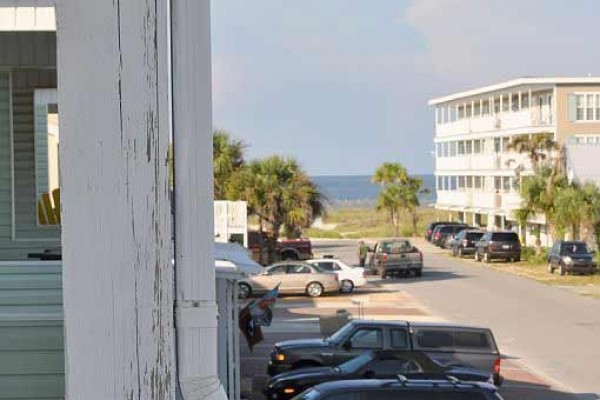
231, 217
489, 164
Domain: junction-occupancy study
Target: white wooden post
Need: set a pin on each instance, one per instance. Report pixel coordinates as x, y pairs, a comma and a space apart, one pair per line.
194, 246
116, 234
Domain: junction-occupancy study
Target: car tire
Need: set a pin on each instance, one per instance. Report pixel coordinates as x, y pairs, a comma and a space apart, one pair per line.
550, 268
347, 286
314, 289
486, 257
561, 269
244, 291
460, 252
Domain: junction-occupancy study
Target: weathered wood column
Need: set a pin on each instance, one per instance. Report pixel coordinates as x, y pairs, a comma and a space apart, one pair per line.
194, 255
118, 277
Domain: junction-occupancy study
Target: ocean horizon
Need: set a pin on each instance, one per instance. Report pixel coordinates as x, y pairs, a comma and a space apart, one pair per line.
359, 191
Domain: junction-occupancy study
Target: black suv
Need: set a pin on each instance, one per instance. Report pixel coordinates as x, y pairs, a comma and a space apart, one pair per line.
464, 242
431, 227
493, 245
401, 389
442, 232
572, 257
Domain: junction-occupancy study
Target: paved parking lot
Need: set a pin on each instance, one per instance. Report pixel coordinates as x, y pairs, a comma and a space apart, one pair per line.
297, 317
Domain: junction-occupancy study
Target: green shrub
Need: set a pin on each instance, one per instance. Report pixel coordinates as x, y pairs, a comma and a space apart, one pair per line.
529, 254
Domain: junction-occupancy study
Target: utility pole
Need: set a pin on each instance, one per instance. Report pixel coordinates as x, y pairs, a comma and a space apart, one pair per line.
116, 117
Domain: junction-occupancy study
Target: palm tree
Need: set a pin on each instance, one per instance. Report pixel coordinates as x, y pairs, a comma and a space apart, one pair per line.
281, 195
228, 159
569, 209
399, 193
591, 194
536, 147
389, 173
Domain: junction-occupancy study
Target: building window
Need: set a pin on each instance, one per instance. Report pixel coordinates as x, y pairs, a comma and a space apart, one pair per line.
477, 182
461, 112
477, 110
486, 108
504, 145
497, 145
505, 103
469, 147
506, 183
453, 183
524, 101
469, 112
469, 182
515, 102
598, 107
461, 148
498, 183
515, 184
461, 183
477, 146
497, 106
589, 107
580, 107
445, 149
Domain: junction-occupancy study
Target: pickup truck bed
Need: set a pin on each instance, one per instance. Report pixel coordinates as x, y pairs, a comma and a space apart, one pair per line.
396, 257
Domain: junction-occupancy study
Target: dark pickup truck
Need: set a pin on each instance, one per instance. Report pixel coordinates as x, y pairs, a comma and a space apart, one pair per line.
447, 344
396, 257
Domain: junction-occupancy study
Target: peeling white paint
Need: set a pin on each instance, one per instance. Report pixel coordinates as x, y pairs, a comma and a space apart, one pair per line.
118, 278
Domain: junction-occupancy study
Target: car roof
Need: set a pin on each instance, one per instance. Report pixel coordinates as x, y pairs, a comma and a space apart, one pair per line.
364, 322
353, 385
445, 325
291, 262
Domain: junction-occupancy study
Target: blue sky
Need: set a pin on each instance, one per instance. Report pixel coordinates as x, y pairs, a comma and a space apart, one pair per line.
342, 85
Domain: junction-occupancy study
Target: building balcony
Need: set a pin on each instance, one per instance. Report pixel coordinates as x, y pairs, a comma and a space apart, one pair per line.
535, 117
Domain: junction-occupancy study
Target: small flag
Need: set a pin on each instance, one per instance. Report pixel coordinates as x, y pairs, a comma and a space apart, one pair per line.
256, 314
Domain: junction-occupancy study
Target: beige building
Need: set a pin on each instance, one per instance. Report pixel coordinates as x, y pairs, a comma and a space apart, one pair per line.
475, 171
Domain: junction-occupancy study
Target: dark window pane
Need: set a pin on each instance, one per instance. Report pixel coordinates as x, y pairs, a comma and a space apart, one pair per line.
505, 236
399, 338
367, 339
434, 339
472, 340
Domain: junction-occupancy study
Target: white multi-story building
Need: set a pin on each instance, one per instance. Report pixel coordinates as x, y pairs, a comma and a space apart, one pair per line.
475, 171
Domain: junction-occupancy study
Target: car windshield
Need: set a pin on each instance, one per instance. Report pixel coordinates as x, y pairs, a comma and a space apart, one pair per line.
341, 334
355, 364
395, 247
575, 248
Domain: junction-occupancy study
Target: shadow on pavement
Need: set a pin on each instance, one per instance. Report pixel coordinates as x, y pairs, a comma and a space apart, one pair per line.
428, 276
514, 390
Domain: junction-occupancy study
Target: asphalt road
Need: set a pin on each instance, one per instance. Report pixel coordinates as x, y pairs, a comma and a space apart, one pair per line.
553, 331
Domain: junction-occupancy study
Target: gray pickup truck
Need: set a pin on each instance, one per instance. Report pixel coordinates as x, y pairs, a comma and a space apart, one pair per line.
447, 344
396, 257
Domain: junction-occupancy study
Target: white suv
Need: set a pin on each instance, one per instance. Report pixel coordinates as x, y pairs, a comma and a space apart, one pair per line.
349, 277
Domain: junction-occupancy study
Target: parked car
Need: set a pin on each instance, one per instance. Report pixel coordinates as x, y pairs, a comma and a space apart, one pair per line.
294, 276
464, 242
493, 245
401, 388
446, 344
349, 277
433, 225
396, 257
571, 257
441, 233
370, 365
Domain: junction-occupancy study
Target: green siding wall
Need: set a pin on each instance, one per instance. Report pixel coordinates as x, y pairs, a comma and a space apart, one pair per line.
5, 159
31, 331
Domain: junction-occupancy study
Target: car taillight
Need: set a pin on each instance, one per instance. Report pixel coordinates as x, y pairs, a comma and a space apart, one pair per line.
384, 257
497, 366
465, 242
437, 235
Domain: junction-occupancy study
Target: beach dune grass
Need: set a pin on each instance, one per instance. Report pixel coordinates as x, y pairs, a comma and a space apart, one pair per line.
355, 223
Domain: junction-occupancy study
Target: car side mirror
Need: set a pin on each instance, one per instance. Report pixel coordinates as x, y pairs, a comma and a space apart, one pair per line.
347, 345
369, 374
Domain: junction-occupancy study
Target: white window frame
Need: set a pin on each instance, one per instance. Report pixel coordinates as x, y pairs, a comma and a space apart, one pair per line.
581, 102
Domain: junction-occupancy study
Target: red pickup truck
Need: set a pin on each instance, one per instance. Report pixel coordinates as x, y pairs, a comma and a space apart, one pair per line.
290, 249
